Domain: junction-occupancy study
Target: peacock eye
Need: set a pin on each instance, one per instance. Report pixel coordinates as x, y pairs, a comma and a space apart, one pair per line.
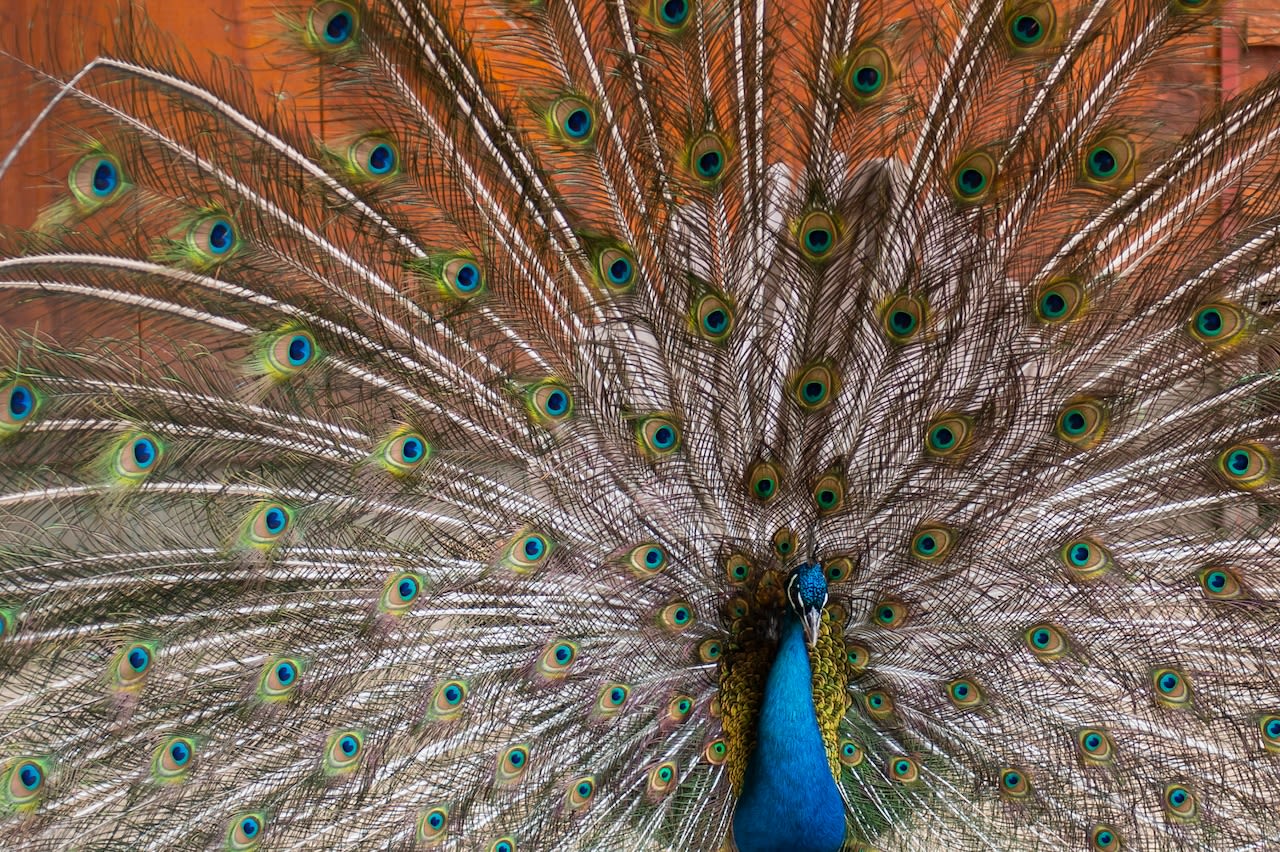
432, 824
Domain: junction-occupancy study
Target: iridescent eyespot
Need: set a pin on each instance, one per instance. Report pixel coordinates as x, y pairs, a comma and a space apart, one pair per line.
332, 24
1218, 324
851, 754
172, 760
432, 825
461, 278
503, 844
266, 525
1179, 803
856, 657
133, 457
279, 679
1085, 559
1096, 748
1109, 160
932, 543
828, 493
890, 613
131, 666
512, 763
285, 353
1059, 301
1082, 423
679, 708
1269, 728
1030, 24
675, 617
1105, 839
784, 542
646, 560
708, 157
616, 268
212, 239
1221, 584
866, 74
737, 568
8, 622
25, 780
903, 318
878, 704
19, 401
948, 436
709, 650
964, 693
611, 700
764, 480
1014, 783
838, 570
342, 752
672, 15
736, 608
580, 792
817, 234
557, 658
373, 158
447, 700
549, 402
401, 590
1046, 641
713, 318
403, 452
903, 770
716, 752
815, 386
1171, 687
527, 551
245, 831
1245, 466
972, 178
573, 120
662, 779
658, 434
95, 180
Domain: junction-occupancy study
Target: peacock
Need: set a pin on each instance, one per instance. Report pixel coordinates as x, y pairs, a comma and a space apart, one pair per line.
644, 425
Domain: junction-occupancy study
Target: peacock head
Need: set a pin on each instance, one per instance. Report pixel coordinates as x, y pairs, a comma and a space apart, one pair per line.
806, 596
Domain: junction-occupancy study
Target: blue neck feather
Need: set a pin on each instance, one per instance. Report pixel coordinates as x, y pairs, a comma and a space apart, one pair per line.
789, 800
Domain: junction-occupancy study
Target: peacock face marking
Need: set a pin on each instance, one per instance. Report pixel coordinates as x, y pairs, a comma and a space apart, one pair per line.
806, 596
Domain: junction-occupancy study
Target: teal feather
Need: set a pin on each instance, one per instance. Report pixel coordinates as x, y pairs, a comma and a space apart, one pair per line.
643, 425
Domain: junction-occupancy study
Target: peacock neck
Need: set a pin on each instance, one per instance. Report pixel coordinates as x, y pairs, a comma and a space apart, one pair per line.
789, 799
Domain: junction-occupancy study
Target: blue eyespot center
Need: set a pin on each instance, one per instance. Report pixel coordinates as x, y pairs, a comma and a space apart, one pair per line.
179, 753
674, 12
1026, 29
866, 79
221, 237
412, 449
970, 181
275, 519
1053, 304
338, 29
139, 659
943, 437
452, 694
382, 159
408, 589
285, 673
1168, 682
30, 776
1209, 322
557, 402
467, 278
1092, 742
715, 321
653, 557
349, 745
620, 271
516, 757
1102, 162
1177, 796
299, 350
817, 239
710, 163
563, 653
1273, 728
435, 819
664, 437
1012, 779
144, 452
105, 178
1040, 638
249, 827
578, 123
21, 402
584, 789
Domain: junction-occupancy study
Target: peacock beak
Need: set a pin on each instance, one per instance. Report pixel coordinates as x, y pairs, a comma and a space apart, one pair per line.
812, 621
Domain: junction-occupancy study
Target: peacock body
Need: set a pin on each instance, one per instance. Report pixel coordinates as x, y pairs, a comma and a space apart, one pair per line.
622, 426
